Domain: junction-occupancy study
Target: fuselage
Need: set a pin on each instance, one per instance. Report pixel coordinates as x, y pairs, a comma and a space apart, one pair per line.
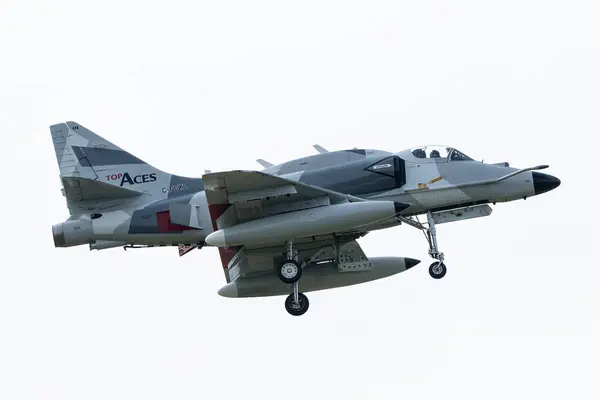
443, 181
406, 178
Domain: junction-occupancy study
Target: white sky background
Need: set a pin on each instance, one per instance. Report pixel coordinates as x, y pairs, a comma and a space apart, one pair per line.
188, 86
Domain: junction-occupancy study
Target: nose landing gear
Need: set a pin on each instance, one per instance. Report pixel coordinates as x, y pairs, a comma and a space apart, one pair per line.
437, 269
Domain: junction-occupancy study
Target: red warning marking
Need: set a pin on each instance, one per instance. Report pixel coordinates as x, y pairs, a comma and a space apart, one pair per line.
226, 253
216, 210
165, 225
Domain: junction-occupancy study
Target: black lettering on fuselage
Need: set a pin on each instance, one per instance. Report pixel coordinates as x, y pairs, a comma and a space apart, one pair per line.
137, 179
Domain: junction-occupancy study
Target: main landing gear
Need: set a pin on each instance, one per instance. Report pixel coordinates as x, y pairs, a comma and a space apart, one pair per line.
290, 271
437, 269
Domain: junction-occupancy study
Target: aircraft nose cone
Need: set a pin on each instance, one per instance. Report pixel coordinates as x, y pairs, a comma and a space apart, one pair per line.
543, 183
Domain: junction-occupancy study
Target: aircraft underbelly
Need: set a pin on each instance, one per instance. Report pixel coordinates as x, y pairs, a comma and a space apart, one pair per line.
156, 239
314, 278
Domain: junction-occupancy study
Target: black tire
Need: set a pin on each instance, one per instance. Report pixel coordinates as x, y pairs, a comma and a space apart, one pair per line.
437, 270
296, 309
289, 271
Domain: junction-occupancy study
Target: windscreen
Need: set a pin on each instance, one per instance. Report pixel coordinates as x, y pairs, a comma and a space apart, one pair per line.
459, 156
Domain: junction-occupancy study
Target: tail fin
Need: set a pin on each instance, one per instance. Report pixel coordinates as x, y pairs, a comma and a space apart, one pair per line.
97, 174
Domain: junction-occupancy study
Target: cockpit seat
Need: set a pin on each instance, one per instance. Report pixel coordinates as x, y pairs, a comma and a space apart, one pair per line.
434, 154
419, 153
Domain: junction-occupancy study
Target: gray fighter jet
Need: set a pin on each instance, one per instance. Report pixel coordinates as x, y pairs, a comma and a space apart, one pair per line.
287, 226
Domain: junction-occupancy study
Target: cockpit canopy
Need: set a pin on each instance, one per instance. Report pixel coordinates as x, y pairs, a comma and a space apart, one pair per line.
442, 152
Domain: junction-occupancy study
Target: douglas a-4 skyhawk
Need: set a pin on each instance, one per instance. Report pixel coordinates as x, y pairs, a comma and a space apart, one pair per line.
289, 226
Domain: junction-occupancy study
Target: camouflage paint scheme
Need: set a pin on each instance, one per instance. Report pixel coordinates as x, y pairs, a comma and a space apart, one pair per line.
132, 197
114, 198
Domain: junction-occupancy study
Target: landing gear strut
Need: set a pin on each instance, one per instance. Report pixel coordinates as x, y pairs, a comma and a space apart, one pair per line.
290, 271
437, 269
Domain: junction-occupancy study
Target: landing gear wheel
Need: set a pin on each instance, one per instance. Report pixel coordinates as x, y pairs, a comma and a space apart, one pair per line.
437, 270
289, 271
294, 308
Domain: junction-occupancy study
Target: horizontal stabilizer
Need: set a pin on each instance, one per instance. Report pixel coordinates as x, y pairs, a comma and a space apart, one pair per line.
85, 189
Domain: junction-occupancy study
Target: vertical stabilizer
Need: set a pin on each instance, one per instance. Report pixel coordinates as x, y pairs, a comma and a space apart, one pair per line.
96, 174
